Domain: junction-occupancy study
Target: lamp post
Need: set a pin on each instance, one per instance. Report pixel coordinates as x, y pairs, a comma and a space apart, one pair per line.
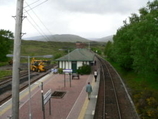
29, 78
29, 81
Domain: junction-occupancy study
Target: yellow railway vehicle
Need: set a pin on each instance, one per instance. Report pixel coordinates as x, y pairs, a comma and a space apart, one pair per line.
38, 65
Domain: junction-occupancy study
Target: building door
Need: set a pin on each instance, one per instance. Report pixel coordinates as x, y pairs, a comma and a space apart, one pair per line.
74, 66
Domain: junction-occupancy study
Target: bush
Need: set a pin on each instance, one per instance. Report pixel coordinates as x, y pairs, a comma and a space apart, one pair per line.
85, 69
60, 70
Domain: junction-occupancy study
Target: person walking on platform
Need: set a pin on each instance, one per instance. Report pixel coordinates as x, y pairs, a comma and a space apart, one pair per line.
89, 90
95, 75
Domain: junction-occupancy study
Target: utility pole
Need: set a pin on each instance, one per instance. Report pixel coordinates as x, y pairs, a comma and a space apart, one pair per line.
16, 60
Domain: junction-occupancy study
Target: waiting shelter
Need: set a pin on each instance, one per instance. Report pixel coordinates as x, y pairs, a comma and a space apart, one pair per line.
76, 59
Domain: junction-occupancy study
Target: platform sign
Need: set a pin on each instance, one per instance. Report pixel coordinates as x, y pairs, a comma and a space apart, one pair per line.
67, 70
47, 96
54, 70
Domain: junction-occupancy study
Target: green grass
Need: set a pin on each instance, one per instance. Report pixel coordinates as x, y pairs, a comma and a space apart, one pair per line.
34, 48
43, 48
3, 63
136, 80
4, 73
37, 48
143, 90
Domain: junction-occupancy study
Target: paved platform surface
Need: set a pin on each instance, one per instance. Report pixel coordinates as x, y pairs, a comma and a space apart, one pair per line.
73, 105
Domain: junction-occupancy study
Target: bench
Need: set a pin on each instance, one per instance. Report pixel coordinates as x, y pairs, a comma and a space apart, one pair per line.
75, 75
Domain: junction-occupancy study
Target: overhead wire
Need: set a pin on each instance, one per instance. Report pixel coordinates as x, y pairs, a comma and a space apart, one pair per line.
38, 29
41, 22
36, 5
31, 3
36, 25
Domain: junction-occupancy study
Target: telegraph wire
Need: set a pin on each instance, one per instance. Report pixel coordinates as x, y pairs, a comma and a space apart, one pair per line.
35, 6
39, 29
42, 23
35, 27
43, 34
32, 3
40, 20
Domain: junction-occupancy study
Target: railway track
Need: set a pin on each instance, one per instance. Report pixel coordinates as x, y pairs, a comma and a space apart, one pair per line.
113, 101
6, 85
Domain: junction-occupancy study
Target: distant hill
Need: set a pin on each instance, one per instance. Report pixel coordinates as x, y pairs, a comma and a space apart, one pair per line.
59, 38
105, 39
57, 49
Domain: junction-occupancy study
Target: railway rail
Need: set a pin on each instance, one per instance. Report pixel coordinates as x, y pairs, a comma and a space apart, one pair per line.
113, 102
6, 85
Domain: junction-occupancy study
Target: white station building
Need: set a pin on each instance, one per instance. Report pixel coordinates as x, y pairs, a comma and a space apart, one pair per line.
76, 59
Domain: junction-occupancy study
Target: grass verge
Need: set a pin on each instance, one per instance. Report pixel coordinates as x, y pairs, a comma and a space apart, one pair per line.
143, 90
4, 73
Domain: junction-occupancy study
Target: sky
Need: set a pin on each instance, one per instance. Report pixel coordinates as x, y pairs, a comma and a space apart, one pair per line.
85, 18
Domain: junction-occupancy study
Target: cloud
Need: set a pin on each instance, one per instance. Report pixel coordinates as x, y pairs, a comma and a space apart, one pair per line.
7, 2
99, 6
87, 18
7, 10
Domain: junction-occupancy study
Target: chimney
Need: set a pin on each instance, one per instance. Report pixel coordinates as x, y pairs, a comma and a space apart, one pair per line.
80, 45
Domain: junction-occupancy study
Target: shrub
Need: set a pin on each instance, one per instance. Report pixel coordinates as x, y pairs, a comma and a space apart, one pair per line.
85, 69
60, 70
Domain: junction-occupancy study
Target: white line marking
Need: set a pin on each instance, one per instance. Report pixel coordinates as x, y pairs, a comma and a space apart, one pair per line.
93, 112
83, 89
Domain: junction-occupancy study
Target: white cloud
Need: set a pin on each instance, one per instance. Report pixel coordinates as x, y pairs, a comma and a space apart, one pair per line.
87, 18
100, 6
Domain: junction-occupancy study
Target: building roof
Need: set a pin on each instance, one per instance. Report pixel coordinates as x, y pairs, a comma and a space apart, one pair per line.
78, 55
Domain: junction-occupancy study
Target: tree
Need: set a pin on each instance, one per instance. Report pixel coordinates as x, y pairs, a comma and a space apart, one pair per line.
136, 46
108, 49
136, 43
145, 43
122, 47
6, 43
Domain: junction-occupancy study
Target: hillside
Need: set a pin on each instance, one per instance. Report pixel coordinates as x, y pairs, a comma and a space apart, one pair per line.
33, 48
105, 39
69, 38
57, 49
59, 38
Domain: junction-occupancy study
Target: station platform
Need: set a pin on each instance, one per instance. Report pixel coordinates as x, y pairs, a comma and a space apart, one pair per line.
73, 104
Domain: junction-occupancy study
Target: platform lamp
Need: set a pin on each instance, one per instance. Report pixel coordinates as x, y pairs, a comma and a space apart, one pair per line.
29, 78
